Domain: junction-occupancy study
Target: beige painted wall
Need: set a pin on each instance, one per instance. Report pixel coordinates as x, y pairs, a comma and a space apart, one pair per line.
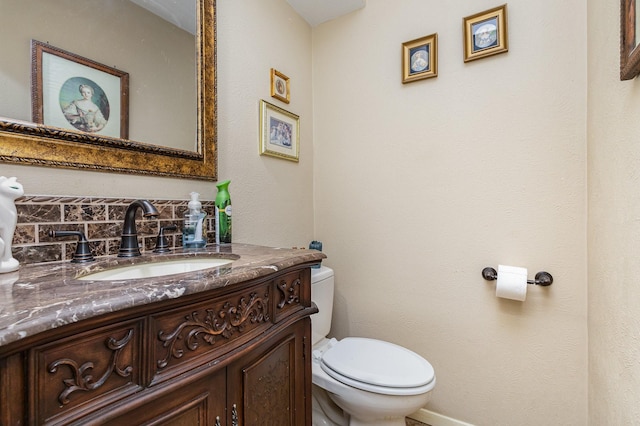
420, 186
272, 198
614, 229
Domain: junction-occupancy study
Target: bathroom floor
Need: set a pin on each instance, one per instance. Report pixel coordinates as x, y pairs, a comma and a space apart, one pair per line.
411, 422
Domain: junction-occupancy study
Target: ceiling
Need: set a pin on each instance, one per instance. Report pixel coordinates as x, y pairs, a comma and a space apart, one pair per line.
182, 14
316, 12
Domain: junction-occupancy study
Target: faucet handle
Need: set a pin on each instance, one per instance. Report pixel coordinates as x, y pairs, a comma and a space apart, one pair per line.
83, 252
162, 244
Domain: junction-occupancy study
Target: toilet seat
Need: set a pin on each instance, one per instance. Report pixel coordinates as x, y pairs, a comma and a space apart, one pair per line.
377, 366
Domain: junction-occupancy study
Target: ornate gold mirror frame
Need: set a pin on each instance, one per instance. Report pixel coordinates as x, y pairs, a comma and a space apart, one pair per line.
39, 145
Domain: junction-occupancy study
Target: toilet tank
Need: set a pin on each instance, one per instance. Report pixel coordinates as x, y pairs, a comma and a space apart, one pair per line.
322, 295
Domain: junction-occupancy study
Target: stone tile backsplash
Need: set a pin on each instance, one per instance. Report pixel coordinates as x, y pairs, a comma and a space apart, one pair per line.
100, 219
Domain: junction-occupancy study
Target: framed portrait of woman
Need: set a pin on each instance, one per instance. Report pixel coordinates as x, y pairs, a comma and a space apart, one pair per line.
280, 86
420, 58
76, 93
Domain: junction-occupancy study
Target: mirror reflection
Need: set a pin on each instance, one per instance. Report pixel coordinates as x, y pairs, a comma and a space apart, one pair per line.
159, 57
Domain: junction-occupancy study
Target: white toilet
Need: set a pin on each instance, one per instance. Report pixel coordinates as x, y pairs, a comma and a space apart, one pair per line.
360, 381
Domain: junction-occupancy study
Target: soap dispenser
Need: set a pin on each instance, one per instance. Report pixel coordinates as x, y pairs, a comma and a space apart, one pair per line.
193, 235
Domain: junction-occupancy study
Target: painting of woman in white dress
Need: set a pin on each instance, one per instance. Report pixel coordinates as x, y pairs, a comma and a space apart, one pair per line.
84, 104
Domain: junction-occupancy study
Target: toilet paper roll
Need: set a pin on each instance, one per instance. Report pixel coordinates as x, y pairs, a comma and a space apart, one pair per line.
512, 283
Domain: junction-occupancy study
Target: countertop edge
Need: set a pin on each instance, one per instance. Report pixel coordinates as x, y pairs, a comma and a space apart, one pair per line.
45, 297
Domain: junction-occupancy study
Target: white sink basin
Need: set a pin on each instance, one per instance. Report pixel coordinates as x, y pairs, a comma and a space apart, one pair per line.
156, 269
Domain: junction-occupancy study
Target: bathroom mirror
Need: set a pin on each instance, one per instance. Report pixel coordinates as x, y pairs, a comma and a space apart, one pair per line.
629, 49
119, 38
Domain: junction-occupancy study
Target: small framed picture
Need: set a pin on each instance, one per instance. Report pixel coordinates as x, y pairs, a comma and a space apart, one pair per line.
485, 33
279, 132
280, 86
420, 58
76, 93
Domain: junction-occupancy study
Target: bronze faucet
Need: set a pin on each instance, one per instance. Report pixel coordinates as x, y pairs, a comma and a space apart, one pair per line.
129, 243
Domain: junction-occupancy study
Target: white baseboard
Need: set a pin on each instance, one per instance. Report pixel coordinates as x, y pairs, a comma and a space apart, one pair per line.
435, 419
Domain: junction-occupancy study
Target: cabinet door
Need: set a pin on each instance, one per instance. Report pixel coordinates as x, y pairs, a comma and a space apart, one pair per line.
268, 387
193, 404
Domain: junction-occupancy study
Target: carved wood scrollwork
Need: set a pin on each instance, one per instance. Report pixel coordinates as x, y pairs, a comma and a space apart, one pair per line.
81, 380
227, 321
234, 416
289, 292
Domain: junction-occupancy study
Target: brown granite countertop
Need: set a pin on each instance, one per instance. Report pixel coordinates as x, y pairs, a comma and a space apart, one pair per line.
41, 297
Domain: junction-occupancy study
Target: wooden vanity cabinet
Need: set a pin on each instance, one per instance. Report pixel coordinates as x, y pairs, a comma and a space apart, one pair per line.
239, 355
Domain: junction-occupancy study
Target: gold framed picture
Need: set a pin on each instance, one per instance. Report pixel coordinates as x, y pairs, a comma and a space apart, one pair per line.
485, 33
420, 58
279, 132
280, 86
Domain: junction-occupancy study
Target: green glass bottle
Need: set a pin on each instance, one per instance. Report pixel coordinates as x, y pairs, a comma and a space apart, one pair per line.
223, 213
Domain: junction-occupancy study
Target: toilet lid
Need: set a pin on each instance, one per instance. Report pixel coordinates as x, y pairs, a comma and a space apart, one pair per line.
367, 363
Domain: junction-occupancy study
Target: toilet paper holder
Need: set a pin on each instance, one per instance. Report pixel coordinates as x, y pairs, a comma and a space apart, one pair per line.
542, 278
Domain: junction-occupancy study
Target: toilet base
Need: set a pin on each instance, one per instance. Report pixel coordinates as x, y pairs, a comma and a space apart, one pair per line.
327, 413
367, 408
379, 422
